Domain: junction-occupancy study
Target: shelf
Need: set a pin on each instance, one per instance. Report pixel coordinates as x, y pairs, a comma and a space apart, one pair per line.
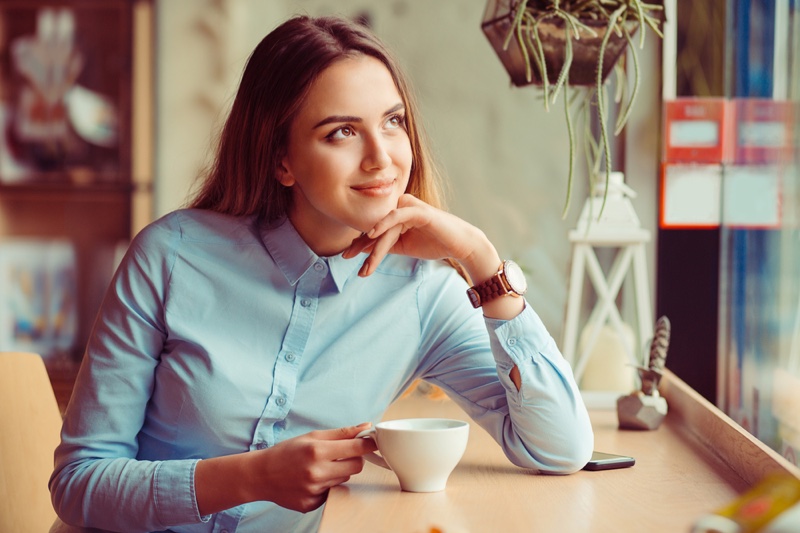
62, 188
94, 196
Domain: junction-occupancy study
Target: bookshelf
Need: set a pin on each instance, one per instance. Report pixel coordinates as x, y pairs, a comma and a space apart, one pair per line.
76, 163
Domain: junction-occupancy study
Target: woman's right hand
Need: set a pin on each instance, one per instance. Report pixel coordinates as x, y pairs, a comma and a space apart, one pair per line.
295, 474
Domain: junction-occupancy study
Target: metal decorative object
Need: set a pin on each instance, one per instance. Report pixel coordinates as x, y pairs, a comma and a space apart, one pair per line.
646, 408
651, 376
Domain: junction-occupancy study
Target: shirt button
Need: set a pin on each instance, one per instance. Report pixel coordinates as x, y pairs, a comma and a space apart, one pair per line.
318, 267
305, 302
261, 445
512, 342
281, 401
290, 357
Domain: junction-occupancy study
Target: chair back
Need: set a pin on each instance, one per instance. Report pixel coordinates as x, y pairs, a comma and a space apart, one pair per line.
30, 426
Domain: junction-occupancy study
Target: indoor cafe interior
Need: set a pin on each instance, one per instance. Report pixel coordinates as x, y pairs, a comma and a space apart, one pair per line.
652, 202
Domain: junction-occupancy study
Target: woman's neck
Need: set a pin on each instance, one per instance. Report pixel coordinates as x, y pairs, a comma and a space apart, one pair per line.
325, 242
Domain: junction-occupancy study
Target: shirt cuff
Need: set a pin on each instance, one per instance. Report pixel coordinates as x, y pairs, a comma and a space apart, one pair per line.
514, 341
175, 498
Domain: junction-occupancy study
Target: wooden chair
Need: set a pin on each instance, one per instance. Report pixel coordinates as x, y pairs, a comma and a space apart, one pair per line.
30, 425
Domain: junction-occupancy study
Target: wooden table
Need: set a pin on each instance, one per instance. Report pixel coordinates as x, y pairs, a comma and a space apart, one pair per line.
681, 472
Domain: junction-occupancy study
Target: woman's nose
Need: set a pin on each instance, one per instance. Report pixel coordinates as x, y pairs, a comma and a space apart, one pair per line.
376, 154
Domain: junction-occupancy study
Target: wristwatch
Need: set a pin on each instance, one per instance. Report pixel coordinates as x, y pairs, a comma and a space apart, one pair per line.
509, 279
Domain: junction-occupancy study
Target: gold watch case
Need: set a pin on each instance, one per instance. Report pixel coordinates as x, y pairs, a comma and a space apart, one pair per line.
509, 279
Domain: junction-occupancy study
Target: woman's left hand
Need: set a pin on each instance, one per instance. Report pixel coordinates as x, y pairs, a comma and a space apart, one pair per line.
419, 230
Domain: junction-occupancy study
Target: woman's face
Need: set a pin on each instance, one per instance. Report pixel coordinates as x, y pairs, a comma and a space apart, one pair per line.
349, 157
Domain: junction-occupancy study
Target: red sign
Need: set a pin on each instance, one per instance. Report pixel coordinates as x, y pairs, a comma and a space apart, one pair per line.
696, 130
763, 130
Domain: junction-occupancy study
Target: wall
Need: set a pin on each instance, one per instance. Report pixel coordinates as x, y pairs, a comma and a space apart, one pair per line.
506, 157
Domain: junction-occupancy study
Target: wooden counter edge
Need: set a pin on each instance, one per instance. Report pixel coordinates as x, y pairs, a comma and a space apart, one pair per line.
745, 454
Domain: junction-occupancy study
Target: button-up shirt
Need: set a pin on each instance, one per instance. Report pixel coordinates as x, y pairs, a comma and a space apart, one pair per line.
220, 335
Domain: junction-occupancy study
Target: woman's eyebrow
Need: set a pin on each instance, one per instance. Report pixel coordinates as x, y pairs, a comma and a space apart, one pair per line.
335, 119
395, 109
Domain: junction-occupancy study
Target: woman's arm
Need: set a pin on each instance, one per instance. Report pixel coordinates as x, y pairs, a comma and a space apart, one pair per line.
95, 463
517, 385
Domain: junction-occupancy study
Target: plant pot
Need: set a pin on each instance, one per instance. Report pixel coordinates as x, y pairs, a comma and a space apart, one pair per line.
498, 18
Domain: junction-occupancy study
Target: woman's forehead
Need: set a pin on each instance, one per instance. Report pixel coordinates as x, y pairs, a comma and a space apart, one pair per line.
354, 85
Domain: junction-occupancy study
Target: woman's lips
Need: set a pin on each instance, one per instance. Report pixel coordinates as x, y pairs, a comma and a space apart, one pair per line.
375, 188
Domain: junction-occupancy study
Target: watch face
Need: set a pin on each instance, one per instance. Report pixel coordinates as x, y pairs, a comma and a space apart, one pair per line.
515, 277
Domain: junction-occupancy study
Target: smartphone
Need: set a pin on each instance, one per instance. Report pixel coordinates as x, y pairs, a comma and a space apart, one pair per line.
608, 461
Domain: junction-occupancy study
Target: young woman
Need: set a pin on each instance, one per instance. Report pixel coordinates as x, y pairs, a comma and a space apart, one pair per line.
245, 341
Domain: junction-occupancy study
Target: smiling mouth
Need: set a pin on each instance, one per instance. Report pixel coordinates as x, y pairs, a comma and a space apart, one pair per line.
377, 188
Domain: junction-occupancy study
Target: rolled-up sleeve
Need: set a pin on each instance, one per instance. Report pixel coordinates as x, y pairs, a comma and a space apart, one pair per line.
549, 421
544, 425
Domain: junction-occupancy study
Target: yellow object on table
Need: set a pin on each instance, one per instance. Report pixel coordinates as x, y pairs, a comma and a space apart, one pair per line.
753, 511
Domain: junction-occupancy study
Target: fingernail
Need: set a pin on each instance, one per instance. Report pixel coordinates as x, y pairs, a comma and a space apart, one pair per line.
363, 425
371, 233
364, 269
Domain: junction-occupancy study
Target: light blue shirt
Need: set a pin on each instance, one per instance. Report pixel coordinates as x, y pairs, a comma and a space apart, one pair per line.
219, 336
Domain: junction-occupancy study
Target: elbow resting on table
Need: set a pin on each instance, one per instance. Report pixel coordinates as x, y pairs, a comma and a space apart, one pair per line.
565, 465
564, 457
574, 457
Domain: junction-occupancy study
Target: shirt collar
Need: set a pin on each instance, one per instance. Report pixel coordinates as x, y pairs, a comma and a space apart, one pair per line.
294, 258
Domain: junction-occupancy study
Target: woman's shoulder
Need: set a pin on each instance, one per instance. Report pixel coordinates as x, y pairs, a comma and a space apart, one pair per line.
200, 226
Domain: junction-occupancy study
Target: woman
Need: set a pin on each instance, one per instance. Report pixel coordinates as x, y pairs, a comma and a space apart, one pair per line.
244, 342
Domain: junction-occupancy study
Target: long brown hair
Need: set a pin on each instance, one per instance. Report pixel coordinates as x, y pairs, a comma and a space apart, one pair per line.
242, 180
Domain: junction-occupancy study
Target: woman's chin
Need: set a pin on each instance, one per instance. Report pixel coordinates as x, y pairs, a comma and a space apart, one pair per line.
367, 223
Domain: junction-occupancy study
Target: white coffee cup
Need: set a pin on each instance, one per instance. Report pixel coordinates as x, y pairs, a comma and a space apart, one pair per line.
422, 452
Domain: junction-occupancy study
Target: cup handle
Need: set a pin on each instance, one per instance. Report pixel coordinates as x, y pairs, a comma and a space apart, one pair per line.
373, 457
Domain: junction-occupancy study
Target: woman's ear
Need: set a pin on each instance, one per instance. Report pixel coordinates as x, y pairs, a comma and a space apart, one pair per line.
284, 176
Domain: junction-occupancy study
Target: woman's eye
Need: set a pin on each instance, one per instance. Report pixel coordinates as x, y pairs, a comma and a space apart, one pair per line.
340, 133
396, 121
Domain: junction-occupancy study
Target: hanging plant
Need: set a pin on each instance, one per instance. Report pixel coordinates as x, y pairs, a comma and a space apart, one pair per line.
559, 44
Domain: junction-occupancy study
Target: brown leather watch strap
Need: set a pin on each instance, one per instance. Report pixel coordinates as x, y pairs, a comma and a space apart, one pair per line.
491, 288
